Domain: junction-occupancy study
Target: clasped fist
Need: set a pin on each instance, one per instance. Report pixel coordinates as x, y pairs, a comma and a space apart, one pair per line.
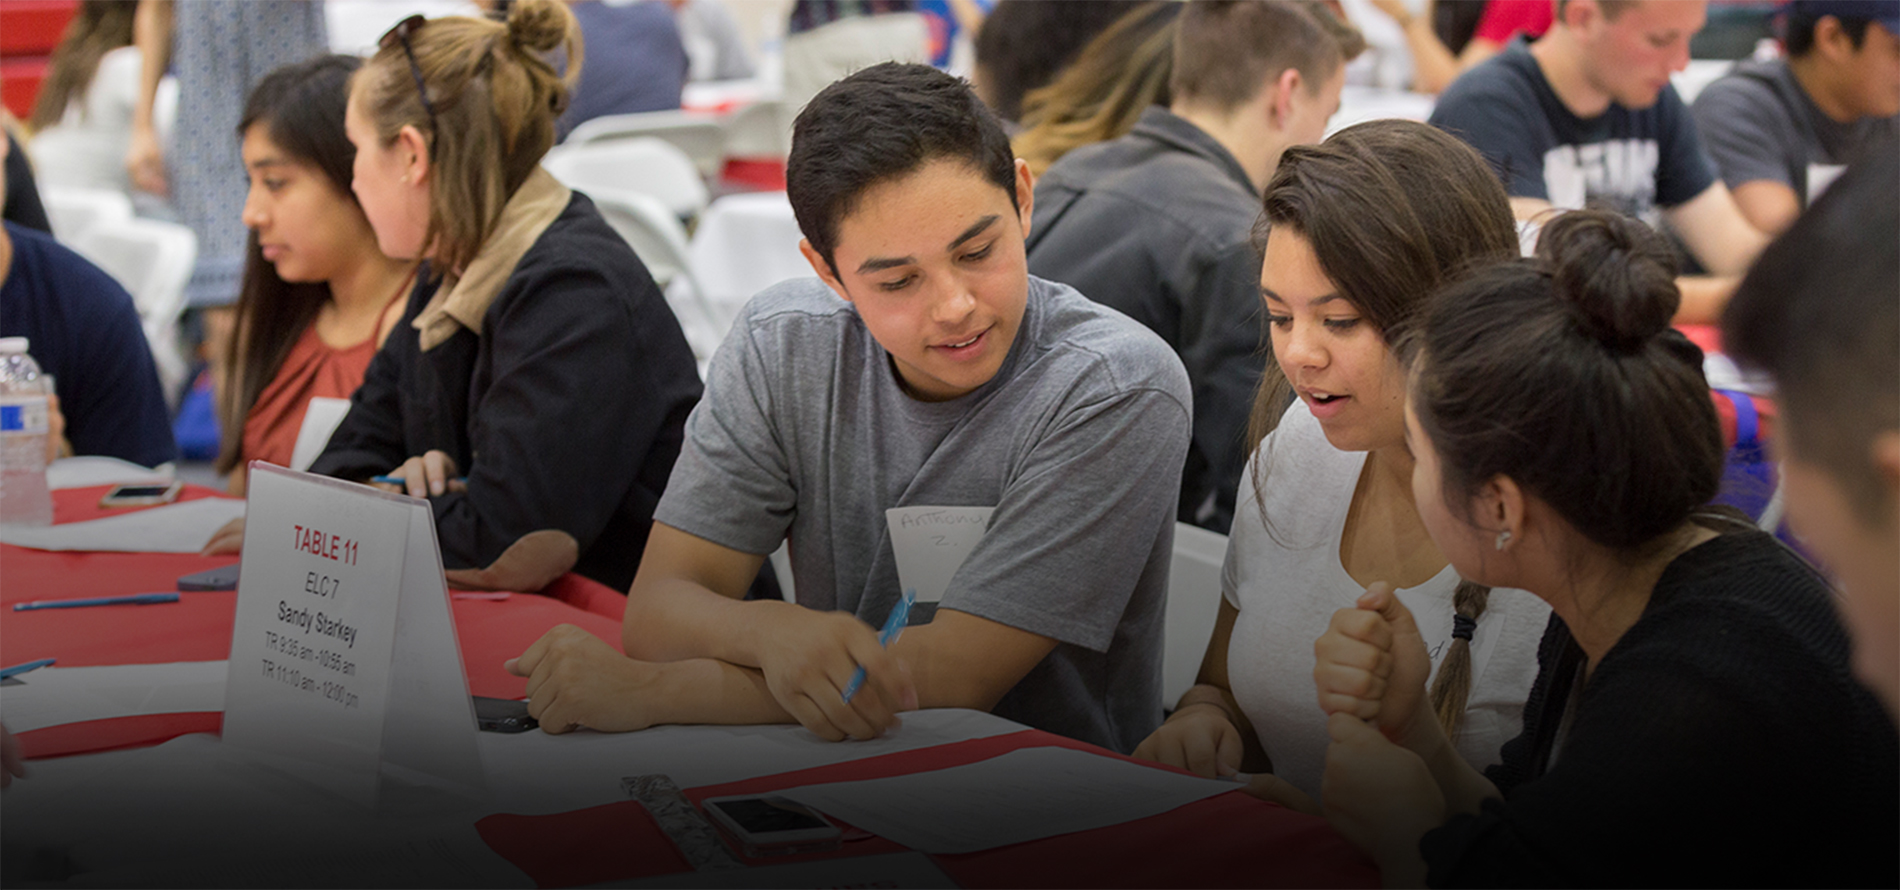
1371, 663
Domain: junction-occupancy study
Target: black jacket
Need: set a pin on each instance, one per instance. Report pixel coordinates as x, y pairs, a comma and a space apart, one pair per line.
1158, 224
566, 412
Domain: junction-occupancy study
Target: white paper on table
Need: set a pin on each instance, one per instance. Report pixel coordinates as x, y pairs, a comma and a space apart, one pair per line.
896, 870
90, 470
54, 696
1020, 796
320, 419
533, 772
173, 528
930, 544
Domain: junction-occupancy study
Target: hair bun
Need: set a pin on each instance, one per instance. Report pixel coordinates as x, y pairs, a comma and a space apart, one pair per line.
1615, 272
539, 25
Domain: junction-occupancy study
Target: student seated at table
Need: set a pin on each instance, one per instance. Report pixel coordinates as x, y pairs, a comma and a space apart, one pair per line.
319, 297
83, 330
1694, 720
1779, 130
1586, 116
538, 379
1818, 313
922, 368
1356, 232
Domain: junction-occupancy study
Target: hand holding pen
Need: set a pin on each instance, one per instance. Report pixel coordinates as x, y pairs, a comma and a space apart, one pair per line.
809, 657
432, 473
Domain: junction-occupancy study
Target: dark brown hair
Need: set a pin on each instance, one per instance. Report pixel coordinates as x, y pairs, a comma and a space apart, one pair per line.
1820, 311
99, 27
496, 96
1394, 210
1224, 50
1562, 373
300, 106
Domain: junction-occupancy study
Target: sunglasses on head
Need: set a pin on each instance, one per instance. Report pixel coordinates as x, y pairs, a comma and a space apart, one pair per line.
401, 34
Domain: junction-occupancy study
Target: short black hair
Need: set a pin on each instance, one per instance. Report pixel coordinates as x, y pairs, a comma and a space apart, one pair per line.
881, 123
1798, 33
1820, 312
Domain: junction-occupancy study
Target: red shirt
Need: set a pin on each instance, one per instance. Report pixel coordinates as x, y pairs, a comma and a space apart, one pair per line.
311, 369
1503, 19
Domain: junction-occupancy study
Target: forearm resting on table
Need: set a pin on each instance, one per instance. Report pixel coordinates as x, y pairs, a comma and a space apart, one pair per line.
960, 660
687, 601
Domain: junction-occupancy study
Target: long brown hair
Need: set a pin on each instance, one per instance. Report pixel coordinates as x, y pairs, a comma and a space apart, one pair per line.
1100, 95
1394, 210
301, 108
99, 27
496, 95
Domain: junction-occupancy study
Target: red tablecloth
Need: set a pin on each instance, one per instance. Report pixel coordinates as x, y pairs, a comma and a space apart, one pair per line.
1230, 840
198, 626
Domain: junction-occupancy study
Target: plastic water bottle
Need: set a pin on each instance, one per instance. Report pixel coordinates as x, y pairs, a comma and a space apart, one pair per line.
24, 498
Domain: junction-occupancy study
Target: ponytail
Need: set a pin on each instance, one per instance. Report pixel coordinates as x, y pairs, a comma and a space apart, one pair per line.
1451, 690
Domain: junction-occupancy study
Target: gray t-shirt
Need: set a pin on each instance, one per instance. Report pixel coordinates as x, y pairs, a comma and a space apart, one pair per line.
1759, 124
1077, 443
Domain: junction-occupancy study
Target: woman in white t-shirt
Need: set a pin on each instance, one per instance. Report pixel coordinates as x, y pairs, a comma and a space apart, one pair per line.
1357, 233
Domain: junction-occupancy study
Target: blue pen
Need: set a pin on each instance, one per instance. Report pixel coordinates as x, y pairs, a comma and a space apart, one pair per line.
398, 480
23, 668
894, 625
137, 599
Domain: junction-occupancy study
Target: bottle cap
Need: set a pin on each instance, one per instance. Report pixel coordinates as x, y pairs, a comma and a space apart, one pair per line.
12, 345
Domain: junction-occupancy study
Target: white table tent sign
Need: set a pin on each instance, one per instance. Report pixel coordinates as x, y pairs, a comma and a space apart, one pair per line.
344, 654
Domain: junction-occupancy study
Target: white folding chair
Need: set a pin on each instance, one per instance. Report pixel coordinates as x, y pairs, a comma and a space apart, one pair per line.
758, 130
657, 237
153, 261
1193, 605
700, 135
744, 244
644, 165
75, 211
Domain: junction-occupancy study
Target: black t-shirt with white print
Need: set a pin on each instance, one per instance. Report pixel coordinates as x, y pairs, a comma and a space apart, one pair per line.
1629, 160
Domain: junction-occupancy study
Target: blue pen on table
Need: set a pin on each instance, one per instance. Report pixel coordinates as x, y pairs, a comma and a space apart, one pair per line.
399, 480
136, 599
17, 669
894, 625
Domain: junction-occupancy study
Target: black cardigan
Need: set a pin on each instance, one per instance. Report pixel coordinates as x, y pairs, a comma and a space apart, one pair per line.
1722, 741
566, 412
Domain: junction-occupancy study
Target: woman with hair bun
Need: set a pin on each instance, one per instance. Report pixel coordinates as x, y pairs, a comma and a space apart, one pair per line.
1356, 233
1694, 720
538, 379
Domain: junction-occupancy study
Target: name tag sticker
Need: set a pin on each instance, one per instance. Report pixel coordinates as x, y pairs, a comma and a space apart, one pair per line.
930, 544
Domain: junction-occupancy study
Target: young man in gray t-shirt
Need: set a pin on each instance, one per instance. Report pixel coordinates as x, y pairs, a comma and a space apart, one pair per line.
925, 372
1780, 131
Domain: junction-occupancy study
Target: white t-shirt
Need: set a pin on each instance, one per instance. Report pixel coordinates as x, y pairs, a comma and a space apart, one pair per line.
86, 149
1287, 585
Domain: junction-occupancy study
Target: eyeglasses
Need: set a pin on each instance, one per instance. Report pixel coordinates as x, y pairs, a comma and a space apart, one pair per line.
400, 34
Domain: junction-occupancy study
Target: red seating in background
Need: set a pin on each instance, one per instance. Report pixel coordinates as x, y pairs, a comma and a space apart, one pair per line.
29, 29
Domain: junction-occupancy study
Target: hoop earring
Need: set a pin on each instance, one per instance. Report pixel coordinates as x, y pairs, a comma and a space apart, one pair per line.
1504, 537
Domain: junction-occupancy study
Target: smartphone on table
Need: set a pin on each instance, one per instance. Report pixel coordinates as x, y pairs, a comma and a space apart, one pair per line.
142, 494
771, 825
502, 715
